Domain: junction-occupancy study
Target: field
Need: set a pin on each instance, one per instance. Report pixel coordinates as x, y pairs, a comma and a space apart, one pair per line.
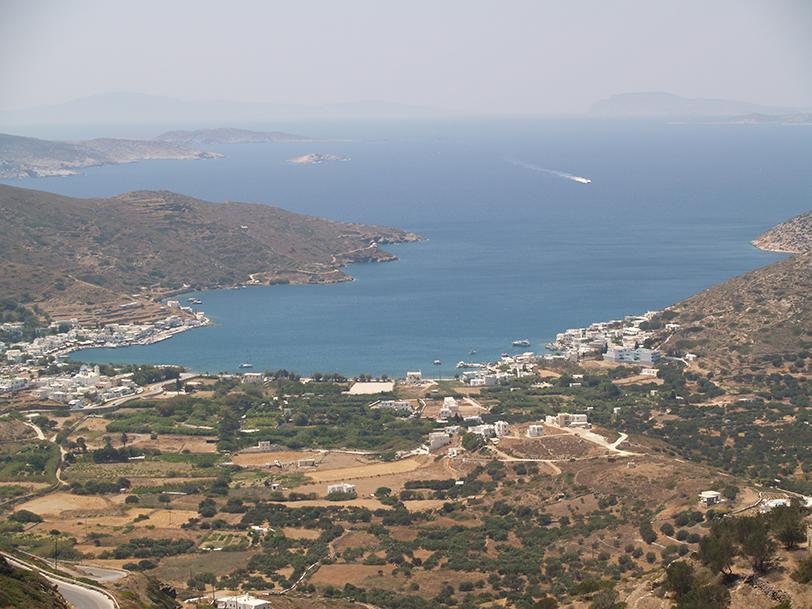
497, 525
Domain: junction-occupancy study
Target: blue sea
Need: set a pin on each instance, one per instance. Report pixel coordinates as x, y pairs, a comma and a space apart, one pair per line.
513, 250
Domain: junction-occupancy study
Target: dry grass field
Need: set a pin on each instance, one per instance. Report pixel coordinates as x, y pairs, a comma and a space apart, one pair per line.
59, 503
553, 446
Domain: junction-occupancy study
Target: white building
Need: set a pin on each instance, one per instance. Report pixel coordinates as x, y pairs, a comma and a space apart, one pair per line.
449, 409
501, 428
341, 487
710, 497
535, 431
632, 356
438, 439
414, 376
402, 406
12, 385
486, 431
565, 419
245, 601
489, 380
649, 372
252, 377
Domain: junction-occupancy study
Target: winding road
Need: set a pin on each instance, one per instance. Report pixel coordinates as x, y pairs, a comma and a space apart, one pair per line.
78, 595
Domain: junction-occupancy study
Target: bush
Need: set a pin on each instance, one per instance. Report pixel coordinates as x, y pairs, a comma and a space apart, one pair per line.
25, 516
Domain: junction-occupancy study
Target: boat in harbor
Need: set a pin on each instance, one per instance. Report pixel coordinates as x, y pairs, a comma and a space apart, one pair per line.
246, 365
523, 342
437, 362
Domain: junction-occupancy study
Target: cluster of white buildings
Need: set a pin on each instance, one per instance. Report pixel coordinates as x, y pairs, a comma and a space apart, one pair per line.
443, 437
565, 419
486, 379
488, 430
508, 367
111, 335
20, 367
577, 343
83, 388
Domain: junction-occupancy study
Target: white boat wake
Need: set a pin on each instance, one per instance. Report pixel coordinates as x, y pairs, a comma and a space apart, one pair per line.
553, 172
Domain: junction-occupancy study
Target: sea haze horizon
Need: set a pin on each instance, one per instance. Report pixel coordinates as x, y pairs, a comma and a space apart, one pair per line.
511, 252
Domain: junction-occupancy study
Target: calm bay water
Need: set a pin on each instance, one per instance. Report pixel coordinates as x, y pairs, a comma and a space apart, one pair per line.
511, 252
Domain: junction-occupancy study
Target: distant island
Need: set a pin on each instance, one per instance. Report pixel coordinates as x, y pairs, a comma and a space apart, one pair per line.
28, 157
758, 118
652, 104
228, 135
315, 158
114, 259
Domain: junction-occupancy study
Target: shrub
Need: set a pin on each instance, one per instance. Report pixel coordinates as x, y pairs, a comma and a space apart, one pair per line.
25, 516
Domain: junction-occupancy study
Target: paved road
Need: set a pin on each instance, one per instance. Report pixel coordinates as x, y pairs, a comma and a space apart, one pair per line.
82, 598
78, 596
100, 574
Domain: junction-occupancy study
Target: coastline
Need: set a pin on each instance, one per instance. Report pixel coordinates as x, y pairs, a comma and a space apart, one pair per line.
312, 278
151, 340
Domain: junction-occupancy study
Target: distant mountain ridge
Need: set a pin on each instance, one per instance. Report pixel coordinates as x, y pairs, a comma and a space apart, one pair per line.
227, 135
127, 108
651, 104
24, 157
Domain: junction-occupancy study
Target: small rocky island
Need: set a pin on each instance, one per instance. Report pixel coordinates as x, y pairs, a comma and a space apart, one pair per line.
315, 158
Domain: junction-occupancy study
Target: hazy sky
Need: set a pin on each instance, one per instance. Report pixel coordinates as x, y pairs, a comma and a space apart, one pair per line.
480, 56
